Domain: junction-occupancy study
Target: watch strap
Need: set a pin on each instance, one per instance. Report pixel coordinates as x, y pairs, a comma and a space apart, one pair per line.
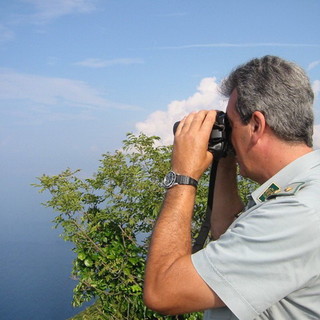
172, 179
185, 180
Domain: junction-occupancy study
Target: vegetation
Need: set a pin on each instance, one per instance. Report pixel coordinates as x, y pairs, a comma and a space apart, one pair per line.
109, 218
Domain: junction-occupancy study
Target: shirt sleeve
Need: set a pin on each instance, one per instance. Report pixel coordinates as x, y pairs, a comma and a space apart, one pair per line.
260, 258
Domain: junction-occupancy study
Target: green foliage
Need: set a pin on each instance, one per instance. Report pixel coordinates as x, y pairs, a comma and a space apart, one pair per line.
109, 218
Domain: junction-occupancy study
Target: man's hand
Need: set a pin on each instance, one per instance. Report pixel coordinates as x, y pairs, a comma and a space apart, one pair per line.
190, 152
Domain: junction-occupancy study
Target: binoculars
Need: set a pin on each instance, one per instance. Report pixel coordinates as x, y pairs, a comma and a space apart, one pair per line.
219, 141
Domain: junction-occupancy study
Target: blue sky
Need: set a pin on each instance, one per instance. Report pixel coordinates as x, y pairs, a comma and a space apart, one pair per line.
77, 75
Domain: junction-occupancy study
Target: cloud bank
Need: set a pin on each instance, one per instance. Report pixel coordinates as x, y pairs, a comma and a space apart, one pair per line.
160, 123
49, 91
207, 96
47, 10
43, 12
55, 98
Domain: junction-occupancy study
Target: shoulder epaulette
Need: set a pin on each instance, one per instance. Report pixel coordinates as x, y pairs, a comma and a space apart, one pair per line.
290, 190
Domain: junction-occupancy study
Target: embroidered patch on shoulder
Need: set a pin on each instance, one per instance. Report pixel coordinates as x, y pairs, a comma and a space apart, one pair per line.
290, 190
272, 189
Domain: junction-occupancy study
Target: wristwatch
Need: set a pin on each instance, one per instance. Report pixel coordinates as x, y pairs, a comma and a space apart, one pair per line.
172, 179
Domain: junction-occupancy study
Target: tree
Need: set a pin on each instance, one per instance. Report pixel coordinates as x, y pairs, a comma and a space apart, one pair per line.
109, 219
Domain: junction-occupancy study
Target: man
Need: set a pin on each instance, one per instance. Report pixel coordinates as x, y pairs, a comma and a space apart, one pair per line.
265, 261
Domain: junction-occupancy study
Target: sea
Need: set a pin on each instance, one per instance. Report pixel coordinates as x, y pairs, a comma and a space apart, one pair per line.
36, 264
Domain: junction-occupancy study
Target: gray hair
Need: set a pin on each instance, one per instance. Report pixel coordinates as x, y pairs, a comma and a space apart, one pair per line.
279, 89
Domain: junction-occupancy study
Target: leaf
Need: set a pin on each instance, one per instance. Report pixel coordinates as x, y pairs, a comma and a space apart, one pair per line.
81, 256
88, 262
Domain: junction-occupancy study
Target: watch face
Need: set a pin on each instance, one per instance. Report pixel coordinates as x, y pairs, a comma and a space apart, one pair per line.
169, 179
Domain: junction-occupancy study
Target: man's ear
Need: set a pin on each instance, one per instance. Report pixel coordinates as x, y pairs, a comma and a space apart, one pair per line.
258, 125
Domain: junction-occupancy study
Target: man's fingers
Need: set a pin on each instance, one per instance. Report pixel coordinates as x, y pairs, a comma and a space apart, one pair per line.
209, 120
197, 120
186, 122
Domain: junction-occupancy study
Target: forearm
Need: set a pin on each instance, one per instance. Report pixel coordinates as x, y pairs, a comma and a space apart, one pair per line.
171, 238
227, 202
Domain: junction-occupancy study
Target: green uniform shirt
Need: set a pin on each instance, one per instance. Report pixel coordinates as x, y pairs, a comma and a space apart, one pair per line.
267, 264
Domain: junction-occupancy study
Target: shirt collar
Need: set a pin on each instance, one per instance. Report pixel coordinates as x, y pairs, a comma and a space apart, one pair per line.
285, 176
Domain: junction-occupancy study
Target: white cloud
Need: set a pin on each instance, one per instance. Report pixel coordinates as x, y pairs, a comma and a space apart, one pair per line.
55, 97
160, 123
48, 91
47, 10
316, 87
100, 63
316, 137
313, 64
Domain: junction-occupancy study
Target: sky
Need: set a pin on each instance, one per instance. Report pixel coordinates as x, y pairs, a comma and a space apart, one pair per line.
77, 75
